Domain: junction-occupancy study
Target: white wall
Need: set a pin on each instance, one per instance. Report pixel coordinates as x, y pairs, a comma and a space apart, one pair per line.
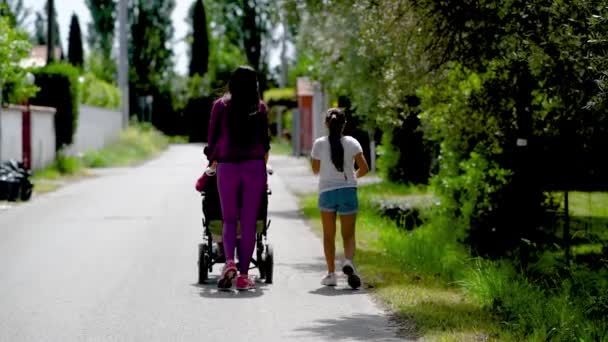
43, 137
320, 105
10, 134
97, 127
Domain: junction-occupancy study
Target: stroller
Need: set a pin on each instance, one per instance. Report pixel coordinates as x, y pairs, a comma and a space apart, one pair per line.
211, 253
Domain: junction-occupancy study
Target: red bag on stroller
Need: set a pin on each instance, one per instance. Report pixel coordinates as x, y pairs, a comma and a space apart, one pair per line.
205, 180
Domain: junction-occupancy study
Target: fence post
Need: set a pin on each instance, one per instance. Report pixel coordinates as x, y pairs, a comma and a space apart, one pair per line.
1, 104
26, 136
567, 228
372, 151
296, 130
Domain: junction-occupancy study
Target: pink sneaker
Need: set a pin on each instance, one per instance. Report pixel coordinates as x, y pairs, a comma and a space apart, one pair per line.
243, 282
228, 273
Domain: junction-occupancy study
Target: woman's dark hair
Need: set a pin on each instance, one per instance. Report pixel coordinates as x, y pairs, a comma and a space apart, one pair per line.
335, 120
244, 105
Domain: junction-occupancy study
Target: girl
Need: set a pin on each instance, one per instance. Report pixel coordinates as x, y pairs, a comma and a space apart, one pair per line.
238, 145
332, 159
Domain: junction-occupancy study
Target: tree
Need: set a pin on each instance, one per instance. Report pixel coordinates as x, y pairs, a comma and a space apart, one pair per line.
40, 28
101, 38
17, 11
75, 52
14, 47
101, 27
151, 33
150, 56
246, 23
489, 74
199, 51
50, 32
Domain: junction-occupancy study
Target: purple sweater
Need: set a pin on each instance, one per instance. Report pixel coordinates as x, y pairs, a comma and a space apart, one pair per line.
219, 147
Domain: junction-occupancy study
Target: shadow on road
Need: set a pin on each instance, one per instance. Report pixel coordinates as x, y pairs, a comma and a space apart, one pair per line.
332, 291
312, 267
288, 214
361, 327
210, 290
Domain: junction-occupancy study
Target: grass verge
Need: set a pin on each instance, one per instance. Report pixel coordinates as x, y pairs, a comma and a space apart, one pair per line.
137, 143
439, 311
280, 147
430, 279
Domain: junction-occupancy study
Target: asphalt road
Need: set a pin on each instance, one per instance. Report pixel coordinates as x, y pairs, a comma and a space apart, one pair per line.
113, 258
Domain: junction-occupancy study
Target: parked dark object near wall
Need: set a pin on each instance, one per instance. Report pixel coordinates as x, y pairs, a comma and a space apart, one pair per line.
15, 181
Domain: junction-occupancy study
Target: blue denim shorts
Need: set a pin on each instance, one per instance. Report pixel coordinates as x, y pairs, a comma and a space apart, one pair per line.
342, 201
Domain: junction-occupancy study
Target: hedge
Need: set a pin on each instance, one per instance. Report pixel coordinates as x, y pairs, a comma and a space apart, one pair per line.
59, 89
99, 93
281, 96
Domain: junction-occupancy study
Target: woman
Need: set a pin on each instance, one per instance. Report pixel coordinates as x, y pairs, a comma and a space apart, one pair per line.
333, 157
238, 144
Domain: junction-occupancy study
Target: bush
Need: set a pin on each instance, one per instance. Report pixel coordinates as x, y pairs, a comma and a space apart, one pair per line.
96, 92
68, 165
428, 250
197, 114
59, 88
388, 157
572, 310
406, 156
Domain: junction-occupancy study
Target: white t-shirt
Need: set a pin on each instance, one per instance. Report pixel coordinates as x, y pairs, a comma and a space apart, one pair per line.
329, 177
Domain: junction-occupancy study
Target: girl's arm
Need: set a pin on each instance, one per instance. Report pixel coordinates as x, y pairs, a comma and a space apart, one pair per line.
363, 168
315, 156
316, 165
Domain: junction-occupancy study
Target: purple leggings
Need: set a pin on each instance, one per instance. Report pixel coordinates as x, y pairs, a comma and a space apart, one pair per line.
245, 183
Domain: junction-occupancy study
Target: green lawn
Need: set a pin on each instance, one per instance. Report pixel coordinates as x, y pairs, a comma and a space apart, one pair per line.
588, 220
589, 204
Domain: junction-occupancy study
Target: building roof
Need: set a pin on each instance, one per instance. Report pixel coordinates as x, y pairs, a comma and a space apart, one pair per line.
38, 55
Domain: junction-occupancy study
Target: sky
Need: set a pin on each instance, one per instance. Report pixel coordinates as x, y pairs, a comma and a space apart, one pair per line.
65, 9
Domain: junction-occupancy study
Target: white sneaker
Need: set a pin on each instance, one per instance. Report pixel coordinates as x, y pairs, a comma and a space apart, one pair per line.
353, 278
330, 279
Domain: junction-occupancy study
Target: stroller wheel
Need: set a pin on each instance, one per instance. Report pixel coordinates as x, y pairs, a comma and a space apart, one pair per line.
268, 263
203, 264
260, 262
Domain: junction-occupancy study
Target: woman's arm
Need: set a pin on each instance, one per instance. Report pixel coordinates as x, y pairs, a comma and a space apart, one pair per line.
213, 133
266, 135
363, 168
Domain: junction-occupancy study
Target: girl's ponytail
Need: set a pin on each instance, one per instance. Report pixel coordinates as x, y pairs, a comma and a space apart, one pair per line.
335, 121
